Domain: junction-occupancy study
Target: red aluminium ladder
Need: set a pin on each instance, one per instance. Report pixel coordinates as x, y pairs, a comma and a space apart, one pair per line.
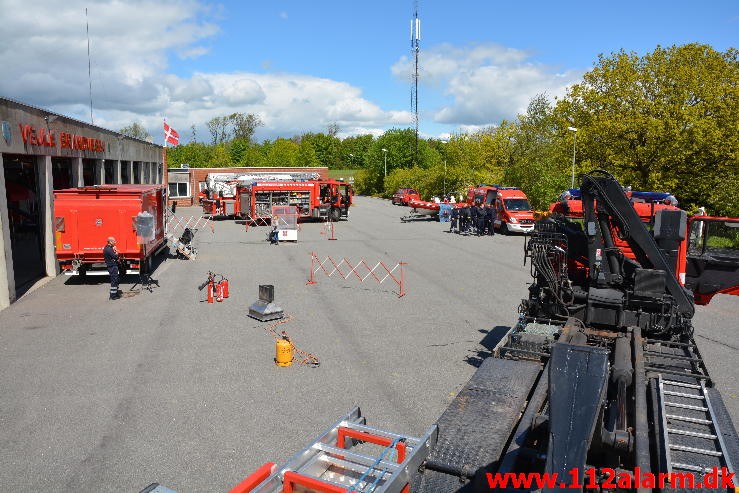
337, 462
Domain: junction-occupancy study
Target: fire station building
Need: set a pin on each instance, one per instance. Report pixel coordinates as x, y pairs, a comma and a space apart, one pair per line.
40, 152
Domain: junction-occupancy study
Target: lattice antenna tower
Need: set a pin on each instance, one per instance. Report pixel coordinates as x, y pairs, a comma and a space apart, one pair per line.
415, 49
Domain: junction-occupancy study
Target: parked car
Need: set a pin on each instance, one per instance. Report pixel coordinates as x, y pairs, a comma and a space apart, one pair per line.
404, 195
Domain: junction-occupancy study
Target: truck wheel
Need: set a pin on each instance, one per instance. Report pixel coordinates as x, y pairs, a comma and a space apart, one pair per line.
335, 214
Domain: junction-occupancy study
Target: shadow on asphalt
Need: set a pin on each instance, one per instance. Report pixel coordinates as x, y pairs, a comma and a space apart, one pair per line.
489, 341
95, 280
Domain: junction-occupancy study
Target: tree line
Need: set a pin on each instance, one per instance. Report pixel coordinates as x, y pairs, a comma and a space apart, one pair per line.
665, 121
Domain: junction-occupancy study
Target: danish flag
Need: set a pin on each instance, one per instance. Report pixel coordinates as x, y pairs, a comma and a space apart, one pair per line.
170, 135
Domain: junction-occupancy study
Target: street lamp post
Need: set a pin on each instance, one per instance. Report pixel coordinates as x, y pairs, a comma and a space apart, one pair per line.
574, 149
444, 177
385, 151
444, 142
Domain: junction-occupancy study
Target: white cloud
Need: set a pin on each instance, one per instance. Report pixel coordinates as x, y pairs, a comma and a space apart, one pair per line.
44, 63
131, 79
485, 83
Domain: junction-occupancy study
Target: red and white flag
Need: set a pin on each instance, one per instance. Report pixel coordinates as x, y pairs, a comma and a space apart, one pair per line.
170, 135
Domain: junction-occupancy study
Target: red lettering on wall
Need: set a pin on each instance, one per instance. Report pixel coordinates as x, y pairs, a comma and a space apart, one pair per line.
47, 138
42, 137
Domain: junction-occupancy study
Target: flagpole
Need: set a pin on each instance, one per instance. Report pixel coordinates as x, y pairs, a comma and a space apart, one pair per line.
164, 149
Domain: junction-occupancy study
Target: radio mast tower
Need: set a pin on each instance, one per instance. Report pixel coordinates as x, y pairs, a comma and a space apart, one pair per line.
415, 48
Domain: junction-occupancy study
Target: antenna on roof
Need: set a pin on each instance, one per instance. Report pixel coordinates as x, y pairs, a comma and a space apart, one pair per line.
415, 48
89, 68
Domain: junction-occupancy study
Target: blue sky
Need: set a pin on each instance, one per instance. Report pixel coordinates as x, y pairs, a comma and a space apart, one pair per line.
304, 65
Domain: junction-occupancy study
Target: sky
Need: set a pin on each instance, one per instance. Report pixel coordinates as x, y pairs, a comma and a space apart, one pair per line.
302, 66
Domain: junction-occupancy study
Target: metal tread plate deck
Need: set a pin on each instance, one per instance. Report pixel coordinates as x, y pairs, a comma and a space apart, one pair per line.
729, 436
476, 426
686, 414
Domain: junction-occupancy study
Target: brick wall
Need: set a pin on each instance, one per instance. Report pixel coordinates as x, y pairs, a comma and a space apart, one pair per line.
199, 174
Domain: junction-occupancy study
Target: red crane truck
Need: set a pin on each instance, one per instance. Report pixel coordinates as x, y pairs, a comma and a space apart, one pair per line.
85, 217
706, 259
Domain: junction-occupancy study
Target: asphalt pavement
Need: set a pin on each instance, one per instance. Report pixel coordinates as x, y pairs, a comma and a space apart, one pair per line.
160, 386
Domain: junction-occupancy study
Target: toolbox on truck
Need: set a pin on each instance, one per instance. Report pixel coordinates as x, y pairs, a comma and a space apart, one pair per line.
85, 217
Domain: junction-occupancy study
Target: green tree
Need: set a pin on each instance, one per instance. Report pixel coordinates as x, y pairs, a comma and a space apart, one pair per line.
135, 131
218, 126
664, 121
237, 149
326, 147
283, 152
195, 154
537, 162
354, 149
306, 155
244, 125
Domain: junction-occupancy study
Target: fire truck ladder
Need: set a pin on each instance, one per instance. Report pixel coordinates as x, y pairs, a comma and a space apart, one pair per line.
180, 232
691, 438
339, 461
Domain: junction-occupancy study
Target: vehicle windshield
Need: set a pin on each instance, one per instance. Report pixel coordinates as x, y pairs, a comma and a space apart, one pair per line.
714, 237
405, 190
516, 205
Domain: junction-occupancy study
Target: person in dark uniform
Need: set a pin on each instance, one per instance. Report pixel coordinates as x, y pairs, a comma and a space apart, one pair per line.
480, 219
110, 254
473, 217
274, 234
454, 226
464, 219
490, 219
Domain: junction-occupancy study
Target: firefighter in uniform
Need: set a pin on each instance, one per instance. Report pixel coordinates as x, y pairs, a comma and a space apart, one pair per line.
110, 254
473, 218
454, 227
480, 219
464, 219
490, 219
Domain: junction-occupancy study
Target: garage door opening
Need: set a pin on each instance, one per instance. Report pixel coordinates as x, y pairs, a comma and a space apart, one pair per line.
24, 217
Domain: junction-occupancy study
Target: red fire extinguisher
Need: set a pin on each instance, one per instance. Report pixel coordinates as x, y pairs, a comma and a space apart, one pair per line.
211, 288
219, 291
224, 283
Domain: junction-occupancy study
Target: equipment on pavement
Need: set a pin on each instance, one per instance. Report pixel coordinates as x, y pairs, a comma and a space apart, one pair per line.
265, 309
217, 290
348, 457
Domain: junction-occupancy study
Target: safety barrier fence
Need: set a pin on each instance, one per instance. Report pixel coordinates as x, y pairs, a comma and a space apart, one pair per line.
361, 271
181, 232
282, 221
250, 220
176, 225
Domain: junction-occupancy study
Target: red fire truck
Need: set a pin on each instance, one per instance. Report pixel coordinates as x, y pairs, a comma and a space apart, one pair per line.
314, 199
85, 217
512, 208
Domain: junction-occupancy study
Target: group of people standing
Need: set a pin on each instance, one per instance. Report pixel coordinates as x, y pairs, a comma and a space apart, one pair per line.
478, 219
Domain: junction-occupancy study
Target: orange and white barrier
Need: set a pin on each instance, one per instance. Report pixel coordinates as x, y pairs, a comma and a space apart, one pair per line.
361, 271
